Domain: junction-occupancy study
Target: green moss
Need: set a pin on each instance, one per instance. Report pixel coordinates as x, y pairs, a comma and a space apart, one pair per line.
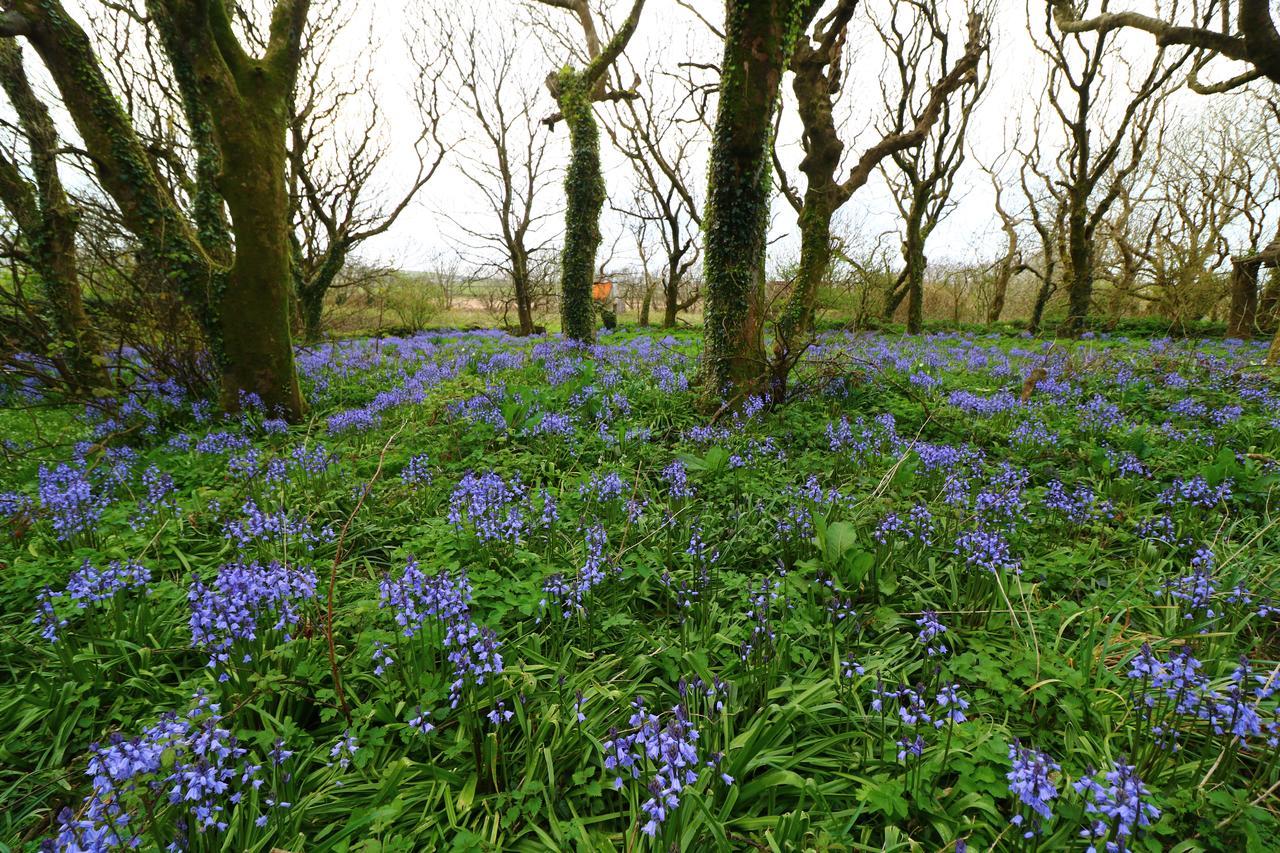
584, 201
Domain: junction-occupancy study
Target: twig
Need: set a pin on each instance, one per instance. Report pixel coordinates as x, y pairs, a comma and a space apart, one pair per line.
333, 575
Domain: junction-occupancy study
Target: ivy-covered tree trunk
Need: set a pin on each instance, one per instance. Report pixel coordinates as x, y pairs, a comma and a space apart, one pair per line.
584, 201
118, 156
47, 222
246, 100
574, 91
759, 37
237, 103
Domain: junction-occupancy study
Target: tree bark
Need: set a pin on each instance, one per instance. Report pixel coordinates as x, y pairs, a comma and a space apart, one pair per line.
48, 221
243, 109
574, 91
523, 287
916, 263
1080, 284
1243, 316
584, 200
759, 38
246, 100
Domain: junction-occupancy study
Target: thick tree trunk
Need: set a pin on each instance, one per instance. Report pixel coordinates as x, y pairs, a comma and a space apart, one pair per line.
584, 200
254, 305
1243, 316
759, 35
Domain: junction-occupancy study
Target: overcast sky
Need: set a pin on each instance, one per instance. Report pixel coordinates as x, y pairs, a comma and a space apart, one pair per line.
667, 36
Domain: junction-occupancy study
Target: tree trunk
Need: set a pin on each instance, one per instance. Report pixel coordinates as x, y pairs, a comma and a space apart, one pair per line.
1042, 299
759, 35
524, 305
797, 318
1080, 285
998, 296
1243, 316
48, 222
1269, 302
584, 200
913, 255
254, 305
671, 304
645, 304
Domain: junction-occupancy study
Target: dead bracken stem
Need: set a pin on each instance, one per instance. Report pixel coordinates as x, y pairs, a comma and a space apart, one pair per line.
333, 575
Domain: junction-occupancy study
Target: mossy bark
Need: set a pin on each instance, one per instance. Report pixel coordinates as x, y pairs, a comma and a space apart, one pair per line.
916, 263
47, 221
237, 104
254, 308
584, 201
759, 37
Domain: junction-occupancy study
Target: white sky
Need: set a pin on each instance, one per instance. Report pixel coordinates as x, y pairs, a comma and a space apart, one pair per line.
669, 34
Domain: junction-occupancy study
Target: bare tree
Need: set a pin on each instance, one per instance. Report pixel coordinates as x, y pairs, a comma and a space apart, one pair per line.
1106, 106
236, 108
46, 221
1046, 210
923, 177
509, 169
659, 135
1009, 264
1252, 39
819, 67
337, 147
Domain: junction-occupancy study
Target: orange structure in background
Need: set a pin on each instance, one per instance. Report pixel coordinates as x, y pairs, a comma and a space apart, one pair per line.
601, 290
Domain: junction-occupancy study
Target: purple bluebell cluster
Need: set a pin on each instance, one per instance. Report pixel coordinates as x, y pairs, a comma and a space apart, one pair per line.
492, 508
1031, 782
191, 764
930, 633
244, 601
158, 499
1079, 507
415, 598
1120, 805
90, 585
986, 550
664, 753
69, 499
257, 526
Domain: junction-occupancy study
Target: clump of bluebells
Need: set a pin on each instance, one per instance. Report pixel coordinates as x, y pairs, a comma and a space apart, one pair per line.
70, 500
184, 776
233, 616
660, 752
493, 509
1031, 782
1120, 806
